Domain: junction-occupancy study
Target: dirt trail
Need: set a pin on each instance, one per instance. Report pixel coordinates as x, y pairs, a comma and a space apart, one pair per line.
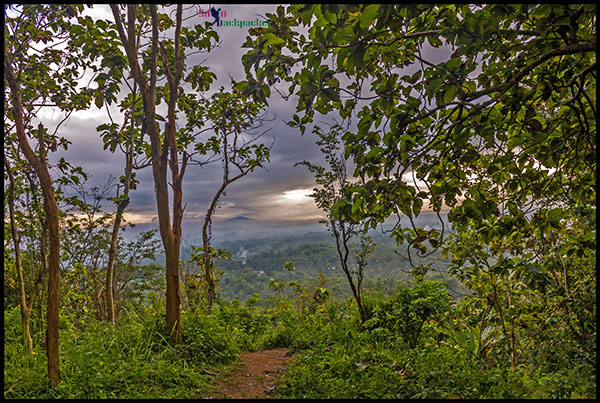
255, 378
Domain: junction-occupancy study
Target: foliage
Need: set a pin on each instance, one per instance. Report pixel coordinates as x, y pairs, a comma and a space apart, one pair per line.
408, 310
133, 358
488, 112
484, 111
86, 236
128, 360
499, 128
251, 324
489, 128
334, 359
526, 284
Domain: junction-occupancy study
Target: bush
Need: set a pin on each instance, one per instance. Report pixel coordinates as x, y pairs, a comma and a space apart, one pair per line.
407, 310
251, 325
208, 340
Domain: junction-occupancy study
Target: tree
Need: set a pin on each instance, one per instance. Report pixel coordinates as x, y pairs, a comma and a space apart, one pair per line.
495, 128
168, 152
112, 138
235, 121
160, 149
99, 40
486, 112
46, 76
28, 233
25, 306
333, 179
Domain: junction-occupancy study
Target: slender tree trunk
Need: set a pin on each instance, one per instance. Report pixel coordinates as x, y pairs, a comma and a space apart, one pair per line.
342, 247
25, 309
50, 207
206, 263
114, 242
39, 283
110, 269
97, 288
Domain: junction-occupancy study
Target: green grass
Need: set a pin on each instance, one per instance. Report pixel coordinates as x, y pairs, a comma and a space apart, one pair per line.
333, 358
129, 360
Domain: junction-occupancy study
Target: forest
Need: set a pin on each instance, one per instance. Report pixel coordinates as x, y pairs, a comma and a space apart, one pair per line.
479, 118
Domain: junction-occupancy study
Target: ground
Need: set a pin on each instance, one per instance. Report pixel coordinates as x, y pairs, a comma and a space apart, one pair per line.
255, 377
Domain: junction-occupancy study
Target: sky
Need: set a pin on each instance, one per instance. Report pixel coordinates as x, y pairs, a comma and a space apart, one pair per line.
278, 194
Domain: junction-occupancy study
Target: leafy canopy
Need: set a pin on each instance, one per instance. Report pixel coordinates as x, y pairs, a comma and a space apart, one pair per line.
488, 111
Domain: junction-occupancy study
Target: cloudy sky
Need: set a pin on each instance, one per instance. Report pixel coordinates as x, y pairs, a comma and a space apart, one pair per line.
276, 194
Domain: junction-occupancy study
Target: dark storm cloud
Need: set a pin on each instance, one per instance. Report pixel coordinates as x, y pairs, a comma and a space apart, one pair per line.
250, 195
86, 149
260, 195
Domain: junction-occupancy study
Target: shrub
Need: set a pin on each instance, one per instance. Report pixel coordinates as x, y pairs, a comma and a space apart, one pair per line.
407, 310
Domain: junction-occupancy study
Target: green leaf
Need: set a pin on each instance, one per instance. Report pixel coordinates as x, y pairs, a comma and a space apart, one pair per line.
356, 205
271, 39
358, 55
450, 94
368, 15
99, 100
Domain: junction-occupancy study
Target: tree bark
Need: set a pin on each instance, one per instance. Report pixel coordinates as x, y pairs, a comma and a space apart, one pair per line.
110, 269
50, 207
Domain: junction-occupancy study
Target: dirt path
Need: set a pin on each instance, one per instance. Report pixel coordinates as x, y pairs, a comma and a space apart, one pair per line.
254, 379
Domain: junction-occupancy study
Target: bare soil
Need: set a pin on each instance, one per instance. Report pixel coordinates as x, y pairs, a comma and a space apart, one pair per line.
254, 379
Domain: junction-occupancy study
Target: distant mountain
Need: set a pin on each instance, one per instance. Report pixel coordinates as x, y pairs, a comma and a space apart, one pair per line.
240, 218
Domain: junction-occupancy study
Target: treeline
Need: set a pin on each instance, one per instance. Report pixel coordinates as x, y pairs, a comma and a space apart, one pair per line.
249, 271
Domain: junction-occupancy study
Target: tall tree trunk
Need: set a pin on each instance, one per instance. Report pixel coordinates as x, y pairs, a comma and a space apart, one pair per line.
161, 150
50, 207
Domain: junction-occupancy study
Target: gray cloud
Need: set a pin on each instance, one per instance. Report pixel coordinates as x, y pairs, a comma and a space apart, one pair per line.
259, 195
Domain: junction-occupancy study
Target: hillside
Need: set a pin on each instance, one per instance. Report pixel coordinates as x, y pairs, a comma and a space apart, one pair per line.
254, 262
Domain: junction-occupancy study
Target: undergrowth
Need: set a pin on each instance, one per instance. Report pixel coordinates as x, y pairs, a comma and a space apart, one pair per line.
334, 356
132, 359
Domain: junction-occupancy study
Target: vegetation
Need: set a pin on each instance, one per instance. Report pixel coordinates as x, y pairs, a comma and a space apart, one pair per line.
496, 131
332, 180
